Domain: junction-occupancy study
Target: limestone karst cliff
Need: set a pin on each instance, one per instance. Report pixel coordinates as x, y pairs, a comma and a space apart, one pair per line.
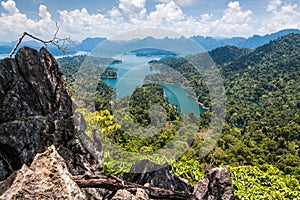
36, 112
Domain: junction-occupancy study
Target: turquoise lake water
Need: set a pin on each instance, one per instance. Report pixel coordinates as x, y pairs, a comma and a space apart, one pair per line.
131, 74
2, 56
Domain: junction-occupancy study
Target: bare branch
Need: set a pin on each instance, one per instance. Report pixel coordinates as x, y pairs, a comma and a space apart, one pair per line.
113, 183
55, 41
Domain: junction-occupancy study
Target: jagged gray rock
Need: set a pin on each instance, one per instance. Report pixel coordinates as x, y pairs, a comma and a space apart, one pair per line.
36, 112
216, 185
94, 146
154, 175
46, 178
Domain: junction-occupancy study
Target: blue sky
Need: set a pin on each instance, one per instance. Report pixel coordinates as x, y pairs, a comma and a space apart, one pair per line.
106, 18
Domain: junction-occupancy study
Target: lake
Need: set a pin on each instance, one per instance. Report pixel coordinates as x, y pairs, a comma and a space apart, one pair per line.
2, 56
131, 73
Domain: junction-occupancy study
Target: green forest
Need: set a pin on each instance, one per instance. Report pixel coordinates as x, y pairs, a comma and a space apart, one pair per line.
260, 141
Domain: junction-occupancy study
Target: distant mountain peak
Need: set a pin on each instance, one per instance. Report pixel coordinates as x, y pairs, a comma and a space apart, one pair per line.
210, 43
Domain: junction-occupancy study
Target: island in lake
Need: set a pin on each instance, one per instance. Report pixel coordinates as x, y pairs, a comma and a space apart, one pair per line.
153, 52
110, 72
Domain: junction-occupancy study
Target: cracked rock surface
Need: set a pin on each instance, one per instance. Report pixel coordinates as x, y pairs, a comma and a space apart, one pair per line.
36, 112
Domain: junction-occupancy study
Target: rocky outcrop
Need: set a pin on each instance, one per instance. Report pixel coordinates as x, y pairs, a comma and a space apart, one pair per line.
145, 172
215, 185
36, 112
46, 178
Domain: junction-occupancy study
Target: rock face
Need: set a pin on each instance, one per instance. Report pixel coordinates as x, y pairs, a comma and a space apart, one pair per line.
36, 112
154, 175
46, 178
215, 185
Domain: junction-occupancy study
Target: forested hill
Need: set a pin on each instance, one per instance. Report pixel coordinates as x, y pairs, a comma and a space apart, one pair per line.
262, 126
273, 67
263, 106
280, 53
227, 54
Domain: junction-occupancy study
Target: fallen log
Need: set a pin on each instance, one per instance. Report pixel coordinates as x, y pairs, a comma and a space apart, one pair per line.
113, 183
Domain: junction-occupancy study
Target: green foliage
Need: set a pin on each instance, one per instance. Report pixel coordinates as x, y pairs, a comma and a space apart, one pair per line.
189, 169
109, 72
99, 120
144, 98
70, 65
250, 182
260, 140
227, 54
103, 96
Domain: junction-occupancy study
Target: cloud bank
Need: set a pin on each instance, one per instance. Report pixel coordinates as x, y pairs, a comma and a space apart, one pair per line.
132, 14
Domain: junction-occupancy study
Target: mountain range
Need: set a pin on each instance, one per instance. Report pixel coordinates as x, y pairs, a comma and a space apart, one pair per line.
207, 43
210, 43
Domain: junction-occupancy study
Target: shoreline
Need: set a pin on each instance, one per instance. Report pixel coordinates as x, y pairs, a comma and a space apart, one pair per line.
198, 102
195, 98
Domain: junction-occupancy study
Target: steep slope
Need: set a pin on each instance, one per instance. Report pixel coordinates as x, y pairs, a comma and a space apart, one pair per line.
36, 112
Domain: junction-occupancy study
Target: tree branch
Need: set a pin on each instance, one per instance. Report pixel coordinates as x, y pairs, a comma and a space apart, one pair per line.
113, 183
55, 41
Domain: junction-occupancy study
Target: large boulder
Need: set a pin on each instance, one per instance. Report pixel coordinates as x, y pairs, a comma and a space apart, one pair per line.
36, 112
145, 172
46, 178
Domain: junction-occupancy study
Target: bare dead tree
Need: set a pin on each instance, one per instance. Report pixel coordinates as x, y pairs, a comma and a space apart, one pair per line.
60, 43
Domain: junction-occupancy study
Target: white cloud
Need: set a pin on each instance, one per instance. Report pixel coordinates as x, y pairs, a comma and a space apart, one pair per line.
132, 5
181, 3
132, 14
114, 13
234, 14
15, 23
132, 11
80, 22
133, 8
283, 16
119, 20
169, 12
234, 21
273, 5
185, 3
10, 7
43, 13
